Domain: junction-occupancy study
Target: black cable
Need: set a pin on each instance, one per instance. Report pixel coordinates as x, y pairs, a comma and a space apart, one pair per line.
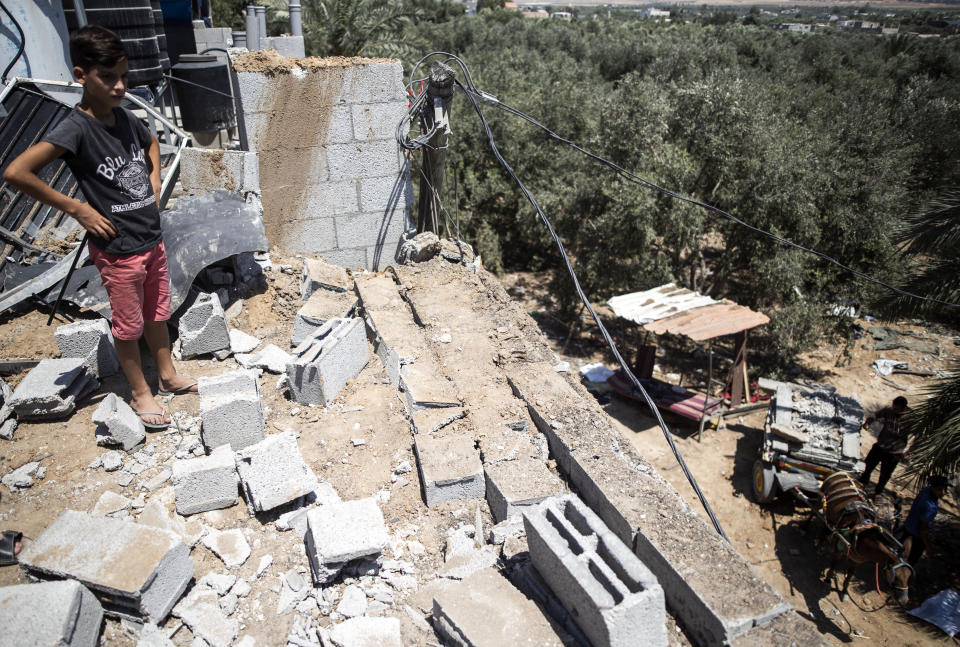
596, 318
23, 43
636, 179
203, 87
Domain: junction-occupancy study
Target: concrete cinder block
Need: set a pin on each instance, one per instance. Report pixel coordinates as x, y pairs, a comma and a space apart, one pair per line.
64, 613
118, 424
322, 306
204, 171
367, 229
203, 327
486, 610
137, 571
378, 120
340, 129
52, 388
270, 358
392, 193
273, 472
317, 236
366, 630
611, 595
91, 340
206, 483
786, 630
340, 532
360, 160
375, 83
326, 360
231, 411
425, 386
515, 485
353, 258
327, 199
318, 274
450, 468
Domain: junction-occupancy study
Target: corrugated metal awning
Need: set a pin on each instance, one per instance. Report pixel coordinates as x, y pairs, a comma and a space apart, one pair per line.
679, 311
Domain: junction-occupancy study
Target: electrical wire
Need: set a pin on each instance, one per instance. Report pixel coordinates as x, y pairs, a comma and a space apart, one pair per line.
596, 318
636, 179
23, 43
197, 85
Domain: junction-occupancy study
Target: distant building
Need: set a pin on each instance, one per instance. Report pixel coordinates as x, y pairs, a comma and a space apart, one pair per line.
655, 14
562, 15
796, 26
535, 13
859, 25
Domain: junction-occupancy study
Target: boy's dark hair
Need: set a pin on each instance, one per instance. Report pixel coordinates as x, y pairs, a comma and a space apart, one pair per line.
900, 401
95, 45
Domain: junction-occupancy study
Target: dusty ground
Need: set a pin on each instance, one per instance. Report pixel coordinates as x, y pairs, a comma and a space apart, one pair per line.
773, 537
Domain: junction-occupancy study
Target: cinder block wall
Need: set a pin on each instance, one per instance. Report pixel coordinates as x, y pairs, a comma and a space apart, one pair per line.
333, 180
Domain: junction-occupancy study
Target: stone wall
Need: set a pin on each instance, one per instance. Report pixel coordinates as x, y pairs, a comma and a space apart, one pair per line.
333, 180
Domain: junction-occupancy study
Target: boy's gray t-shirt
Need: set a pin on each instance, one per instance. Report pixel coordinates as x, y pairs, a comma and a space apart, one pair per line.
110, 164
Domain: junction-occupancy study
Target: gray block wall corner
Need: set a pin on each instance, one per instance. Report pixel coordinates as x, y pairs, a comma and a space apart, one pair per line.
334, 182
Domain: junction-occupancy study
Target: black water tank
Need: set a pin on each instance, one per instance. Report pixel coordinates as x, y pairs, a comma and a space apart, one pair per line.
200, 109
161, 35
133, 22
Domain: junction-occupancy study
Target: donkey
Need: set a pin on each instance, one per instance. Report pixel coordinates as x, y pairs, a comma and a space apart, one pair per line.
856, 537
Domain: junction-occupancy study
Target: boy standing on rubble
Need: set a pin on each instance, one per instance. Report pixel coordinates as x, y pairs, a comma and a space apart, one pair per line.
117, 164
890, 446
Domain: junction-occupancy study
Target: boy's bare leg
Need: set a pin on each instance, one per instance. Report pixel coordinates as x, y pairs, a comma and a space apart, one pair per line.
128, 350
158, 339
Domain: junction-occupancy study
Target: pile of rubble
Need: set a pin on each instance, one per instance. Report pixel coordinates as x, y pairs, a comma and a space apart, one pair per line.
495, 548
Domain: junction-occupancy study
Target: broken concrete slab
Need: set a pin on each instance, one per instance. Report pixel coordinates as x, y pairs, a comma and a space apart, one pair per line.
322, 306
321, 275
110, 504
8, 428
118, 425
425, 386
786, 630
6, 410
340, 532
708, 585
206, 483
231, 411
614, 599
486, 610
153, 636
241, 342
426, 421
64, 613
462, 558
326, 360
22, 477
91, 340
450, 468
353, 602
515, 485
52, 388
367, 632
200, 611
229, 545
420, 248
137, 571
273, 472
272, 358
203, 327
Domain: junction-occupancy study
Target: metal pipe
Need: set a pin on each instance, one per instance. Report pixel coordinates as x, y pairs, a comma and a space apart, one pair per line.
261, 25
81, 13
239, 38
296, 23
253, 29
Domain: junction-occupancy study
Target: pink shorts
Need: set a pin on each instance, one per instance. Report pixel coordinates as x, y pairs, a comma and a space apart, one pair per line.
138, 288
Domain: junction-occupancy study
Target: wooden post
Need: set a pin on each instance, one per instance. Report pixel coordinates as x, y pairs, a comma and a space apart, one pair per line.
435, 117
737, 383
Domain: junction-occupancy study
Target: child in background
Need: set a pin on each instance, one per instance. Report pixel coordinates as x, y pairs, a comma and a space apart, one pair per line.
117, 164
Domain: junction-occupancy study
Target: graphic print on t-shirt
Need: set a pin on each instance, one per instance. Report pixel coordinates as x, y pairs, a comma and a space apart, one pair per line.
131, 176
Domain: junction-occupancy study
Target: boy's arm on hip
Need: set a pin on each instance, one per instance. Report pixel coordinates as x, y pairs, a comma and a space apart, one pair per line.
22, 174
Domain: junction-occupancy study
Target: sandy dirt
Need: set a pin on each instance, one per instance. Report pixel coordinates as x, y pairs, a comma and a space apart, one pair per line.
774, 537
270, 62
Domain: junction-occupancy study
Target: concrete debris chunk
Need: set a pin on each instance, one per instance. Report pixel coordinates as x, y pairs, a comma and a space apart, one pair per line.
241, 342
137, 571
321, 275
219, 582
450, 468
207, 483
231, 411
62, 614
203, 327
367, 632
230, 546
320, 308
52, 389
611, 595
420, 248
22, 477
153, 636
353, 602
273, 472
340, 532
92, 341
7, 429
118, 425
272, 358
6, 409
200, 611
515, 485
111, 461
463, 558
110, 504
326, 360
486, 610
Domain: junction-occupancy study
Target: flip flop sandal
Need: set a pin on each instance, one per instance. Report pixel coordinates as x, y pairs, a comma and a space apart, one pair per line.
8, 547
183, 390
153, 425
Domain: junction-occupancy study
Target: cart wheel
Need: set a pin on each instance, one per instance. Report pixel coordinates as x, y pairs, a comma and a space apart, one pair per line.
764, 482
